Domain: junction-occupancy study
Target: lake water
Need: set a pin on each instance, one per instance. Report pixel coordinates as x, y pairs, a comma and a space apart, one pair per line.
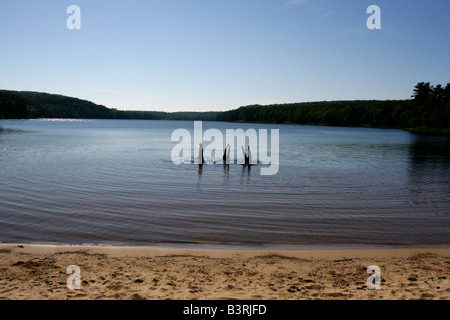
112, 182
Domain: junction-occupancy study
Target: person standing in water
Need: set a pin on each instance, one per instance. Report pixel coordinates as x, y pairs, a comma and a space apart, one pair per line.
201, 159
226, 155
248, 158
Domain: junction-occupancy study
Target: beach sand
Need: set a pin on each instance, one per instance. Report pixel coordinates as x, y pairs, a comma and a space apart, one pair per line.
126, 273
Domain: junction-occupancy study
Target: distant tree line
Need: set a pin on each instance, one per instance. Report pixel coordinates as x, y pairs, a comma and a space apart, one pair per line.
427, 112
12, 106
36, 105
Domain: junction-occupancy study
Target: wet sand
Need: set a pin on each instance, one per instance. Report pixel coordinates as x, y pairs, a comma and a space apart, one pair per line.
126, 273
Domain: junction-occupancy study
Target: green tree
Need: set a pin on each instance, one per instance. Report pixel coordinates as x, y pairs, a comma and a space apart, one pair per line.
422, 91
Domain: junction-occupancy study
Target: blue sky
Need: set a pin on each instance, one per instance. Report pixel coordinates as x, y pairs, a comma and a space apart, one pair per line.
199, 55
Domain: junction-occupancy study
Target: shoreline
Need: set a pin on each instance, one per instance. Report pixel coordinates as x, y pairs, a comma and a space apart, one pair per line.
39, 272
229, 251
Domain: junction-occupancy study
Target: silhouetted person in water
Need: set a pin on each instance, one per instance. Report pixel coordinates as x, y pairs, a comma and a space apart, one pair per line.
226, 155
248, 158
201, 159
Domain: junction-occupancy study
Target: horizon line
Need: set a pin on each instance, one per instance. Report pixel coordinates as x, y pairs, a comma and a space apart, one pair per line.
242, 106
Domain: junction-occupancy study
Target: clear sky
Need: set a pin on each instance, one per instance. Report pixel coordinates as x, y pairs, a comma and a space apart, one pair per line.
199, 55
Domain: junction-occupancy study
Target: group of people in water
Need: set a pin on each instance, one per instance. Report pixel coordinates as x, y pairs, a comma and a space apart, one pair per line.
226, 155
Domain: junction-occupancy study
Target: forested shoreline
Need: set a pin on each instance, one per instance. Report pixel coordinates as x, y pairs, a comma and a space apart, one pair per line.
427, 112
37, 105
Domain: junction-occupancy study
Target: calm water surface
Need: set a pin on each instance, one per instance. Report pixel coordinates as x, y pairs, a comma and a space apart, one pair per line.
112, 182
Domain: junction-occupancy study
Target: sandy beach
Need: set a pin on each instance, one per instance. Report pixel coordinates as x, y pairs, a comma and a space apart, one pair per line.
126, 273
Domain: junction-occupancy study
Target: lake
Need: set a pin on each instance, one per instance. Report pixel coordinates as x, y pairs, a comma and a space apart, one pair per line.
112, 182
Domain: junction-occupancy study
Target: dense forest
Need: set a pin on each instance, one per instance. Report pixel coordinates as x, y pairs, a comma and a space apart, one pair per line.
35, 105
12, 106
427, 112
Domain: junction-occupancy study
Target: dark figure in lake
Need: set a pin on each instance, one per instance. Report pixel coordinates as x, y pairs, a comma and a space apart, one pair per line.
226, 155
201, 159
248, 158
